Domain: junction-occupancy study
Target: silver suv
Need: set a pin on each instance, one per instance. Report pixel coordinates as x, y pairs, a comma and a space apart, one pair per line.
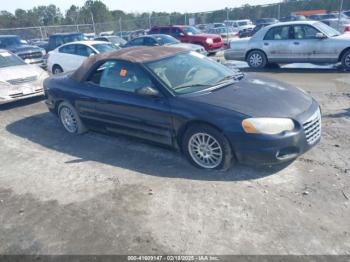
292, 42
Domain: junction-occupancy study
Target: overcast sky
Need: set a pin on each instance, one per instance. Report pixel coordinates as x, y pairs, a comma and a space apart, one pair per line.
138, 5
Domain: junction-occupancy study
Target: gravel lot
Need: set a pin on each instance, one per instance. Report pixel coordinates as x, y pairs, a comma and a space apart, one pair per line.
96, 194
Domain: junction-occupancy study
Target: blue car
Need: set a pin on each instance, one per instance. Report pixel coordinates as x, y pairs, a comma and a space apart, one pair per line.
214, 115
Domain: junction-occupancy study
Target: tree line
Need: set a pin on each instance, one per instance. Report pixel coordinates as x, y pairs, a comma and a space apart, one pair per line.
100, 13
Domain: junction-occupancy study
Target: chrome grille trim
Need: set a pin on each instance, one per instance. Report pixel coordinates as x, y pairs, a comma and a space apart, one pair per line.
313, 127
18, 95
31, 55
19, 81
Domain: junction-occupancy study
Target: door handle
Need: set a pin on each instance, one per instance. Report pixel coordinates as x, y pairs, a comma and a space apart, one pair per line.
266, 44
296, 43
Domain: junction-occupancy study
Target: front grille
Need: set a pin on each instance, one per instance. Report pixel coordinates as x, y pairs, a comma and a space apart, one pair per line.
18, 95
31, 55
217, 40
19, 81
312, 127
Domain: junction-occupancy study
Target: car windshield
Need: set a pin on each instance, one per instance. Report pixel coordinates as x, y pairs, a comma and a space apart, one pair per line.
190, 30
7, 59
103, 48
242, 23
328, 16
166, 40
347, 13
117, 40
72, 38
329, 31
191, 72
10, 41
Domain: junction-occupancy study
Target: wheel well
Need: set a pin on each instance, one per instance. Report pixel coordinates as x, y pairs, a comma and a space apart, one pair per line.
57, 104
187, 125
247, 54
342, 53
56, 65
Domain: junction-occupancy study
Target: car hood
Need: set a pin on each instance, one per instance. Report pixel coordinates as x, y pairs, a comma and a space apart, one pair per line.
345, 37
205, 36
21, 71
24, 48
192, 47
257, 96
246, 27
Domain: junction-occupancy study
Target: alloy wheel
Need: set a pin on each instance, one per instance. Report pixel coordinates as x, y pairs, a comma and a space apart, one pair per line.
347, 61
205, 150
68, 120
256, 60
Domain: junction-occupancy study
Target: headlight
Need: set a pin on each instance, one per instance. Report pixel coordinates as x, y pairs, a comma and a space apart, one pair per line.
269, 126
43, 75
43, 51
209, 41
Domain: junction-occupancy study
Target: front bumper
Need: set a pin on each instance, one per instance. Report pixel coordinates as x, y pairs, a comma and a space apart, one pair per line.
21, 92
274, 149
215, 47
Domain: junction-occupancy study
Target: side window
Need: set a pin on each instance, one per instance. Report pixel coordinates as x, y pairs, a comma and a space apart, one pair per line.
137, 41
83, 50
304, 32
165, 30
68, 49
278, 33
148, 41
119, 75
176, 31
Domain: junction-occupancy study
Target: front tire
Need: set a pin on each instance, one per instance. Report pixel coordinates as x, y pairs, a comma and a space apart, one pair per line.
56, 69
70, 119
207, 148
346, 61
257, 59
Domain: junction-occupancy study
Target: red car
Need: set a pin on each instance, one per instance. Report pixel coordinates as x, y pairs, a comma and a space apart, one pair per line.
189, 34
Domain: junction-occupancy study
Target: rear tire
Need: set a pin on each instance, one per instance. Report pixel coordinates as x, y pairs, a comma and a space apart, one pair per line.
56, 69
345, 60
207, 148
257, 59
70, 119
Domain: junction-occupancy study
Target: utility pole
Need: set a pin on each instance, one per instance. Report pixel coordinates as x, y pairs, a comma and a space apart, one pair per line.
120, 26
149, 20
279, 11
93, 22
340, 10
185, 18
77, 20
227, 14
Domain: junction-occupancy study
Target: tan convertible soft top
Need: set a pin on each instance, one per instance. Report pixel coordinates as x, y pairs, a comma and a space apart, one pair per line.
141, 54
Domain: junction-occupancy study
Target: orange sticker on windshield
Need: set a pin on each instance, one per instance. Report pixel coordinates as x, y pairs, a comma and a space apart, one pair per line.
123, 72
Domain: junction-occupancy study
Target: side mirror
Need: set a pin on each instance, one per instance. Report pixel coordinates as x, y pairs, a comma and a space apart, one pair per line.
181, 34
147, 91
321, 36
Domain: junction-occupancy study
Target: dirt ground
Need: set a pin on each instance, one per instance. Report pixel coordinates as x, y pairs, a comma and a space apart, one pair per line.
97, 194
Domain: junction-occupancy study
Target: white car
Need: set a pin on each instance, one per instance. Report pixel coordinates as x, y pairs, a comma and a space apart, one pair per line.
69, 57
19, 80
240, 25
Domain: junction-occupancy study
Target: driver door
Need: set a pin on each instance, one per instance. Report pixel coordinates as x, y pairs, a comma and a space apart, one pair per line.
121, 110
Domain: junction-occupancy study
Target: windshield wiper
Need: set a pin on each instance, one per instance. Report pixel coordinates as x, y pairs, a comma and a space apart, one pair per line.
190, 86
236, 77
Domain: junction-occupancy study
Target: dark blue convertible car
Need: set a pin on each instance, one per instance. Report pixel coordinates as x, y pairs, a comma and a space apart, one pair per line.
213, 114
